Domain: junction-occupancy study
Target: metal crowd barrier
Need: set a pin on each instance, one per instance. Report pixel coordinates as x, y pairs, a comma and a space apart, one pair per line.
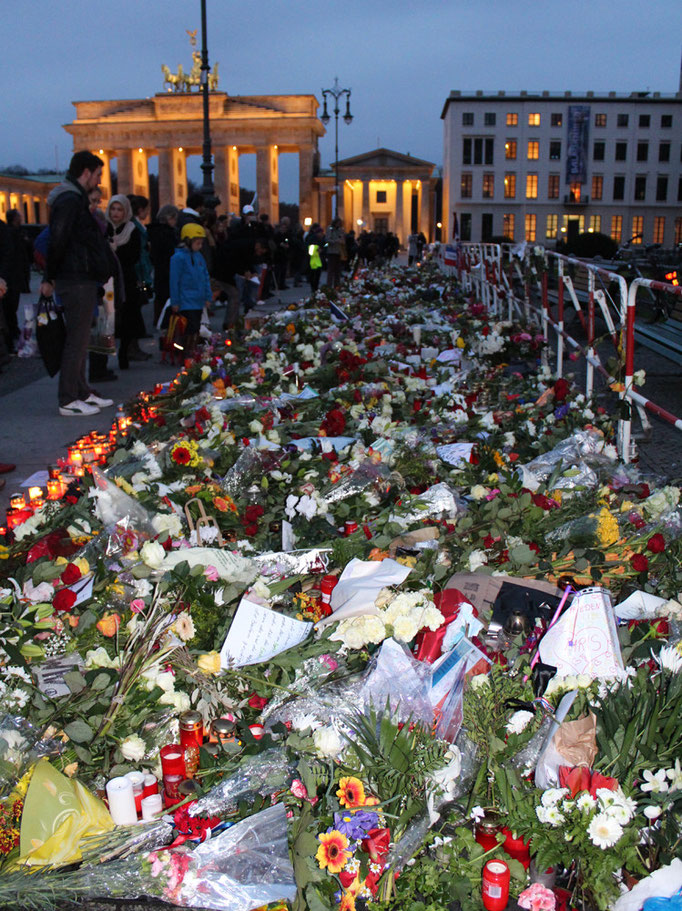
515, 279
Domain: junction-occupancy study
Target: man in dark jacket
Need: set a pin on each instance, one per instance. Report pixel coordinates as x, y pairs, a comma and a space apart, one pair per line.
78, 260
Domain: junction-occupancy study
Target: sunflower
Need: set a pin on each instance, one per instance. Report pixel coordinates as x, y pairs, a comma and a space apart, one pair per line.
351, 792
333, 852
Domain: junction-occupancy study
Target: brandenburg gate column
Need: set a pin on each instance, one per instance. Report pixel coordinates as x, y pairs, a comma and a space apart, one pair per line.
232, 195
365, 206
105, 182
267, 185
220, 177
124, 167
306, 155
399, 210
140, 172
425, 214
172, 178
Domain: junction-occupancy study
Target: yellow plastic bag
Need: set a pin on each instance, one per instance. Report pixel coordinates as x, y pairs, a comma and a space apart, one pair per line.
58, 813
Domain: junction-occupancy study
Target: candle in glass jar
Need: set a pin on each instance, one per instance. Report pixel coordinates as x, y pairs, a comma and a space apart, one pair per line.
121, 801
54, 489
17, 501
150, 786
35, 493
495, 887
151, 805
137, 781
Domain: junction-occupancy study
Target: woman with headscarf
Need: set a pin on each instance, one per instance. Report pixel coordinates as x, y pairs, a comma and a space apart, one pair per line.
126, 243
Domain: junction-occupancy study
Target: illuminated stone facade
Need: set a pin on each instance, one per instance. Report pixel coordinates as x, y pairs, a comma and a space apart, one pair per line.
171, 126
27, 193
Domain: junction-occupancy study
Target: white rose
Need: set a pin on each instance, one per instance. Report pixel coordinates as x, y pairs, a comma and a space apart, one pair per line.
478, 492
205, 372
133, 748
327, 742
152, 554
98, 657
168, 522
179, 701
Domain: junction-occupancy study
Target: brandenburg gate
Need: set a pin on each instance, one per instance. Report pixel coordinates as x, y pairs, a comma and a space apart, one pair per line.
170, 125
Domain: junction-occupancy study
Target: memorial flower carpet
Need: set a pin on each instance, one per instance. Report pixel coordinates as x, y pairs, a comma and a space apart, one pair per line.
361, 609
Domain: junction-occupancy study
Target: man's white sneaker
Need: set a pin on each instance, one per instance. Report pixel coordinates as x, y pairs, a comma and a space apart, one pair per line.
94, 399
78, 408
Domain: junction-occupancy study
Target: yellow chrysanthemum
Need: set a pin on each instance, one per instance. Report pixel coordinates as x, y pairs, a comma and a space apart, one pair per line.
607, 527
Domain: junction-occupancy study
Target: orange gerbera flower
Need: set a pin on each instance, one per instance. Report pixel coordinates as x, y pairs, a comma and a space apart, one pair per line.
333, 852
351, 792
347, 902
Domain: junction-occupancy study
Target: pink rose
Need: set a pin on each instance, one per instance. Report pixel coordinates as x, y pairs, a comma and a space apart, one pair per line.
331, 662
298, 789
211, 574
537, 898
137, 605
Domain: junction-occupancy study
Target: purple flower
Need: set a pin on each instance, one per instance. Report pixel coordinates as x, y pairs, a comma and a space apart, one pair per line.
561, 412
355, 825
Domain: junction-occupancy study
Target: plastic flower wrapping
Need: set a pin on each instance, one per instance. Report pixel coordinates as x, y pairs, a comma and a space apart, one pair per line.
352, 606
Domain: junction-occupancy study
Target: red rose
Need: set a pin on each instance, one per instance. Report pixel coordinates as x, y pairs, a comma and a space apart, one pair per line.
334, 423
64, 600
561, 388
253, 512
71, 574
251, 530
485, 331
257, 702
639, 563
202, 414
656, 544
544, 502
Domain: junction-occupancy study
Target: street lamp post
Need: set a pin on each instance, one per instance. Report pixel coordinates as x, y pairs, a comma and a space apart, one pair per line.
208, 189
336, 93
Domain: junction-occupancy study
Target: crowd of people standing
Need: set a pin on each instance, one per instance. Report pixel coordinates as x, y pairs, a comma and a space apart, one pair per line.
184, 260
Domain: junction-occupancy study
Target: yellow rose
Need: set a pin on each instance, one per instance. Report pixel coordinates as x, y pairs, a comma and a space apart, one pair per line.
209, 663
460, 342
82, 564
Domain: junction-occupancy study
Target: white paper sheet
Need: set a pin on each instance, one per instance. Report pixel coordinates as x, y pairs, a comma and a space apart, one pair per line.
258, 634
639, 606
50, 674
359, 584
584, 639
37, 479
231, 567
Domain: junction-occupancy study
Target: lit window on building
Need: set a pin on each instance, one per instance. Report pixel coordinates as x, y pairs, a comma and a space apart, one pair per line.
488, 186
466, 185
600, 120
530, 223
510, 149
617, 228
508, 225
512, 119
531, 186
597, 186
510, 186
533, 150
556, 120
659, 229
553, 186
678, 231
552, 227
574, 192
533, 120
637, 229
595, 224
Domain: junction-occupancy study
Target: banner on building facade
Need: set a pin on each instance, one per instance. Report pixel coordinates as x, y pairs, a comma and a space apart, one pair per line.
577, 146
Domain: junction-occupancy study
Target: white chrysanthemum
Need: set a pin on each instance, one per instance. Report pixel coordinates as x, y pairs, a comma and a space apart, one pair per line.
327, 742
655, 782
542, 814
585, 803
555, 817
518, 722
604, 831
405, 628
670, 659
477, 558
552, 796
432, 618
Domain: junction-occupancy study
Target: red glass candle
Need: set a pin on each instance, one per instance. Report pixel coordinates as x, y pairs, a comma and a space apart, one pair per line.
172, 760
516, 848
495, 890
349, 527
150, 786
487, 829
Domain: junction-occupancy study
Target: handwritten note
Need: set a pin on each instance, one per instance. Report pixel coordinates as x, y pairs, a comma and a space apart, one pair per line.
584, 640
258, 634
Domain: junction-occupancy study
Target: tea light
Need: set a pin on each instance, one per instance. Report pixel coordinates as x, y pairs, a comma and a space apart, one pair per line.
151, 805
75, 457
17, 501
35, 493
121, 801
54, 489
53, 472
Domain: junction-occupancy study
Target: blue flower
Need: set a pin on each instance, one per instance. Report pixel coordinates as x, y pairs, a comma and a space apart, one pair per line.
355, 825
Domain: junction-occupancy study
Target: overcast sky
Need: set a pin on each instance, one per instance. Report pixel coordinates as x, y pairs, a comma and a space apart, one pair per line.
400, 58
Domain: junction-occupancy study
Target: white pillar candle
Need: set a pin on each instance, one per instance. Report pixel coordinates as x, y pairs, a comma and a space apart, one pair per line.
151, 805
121, 801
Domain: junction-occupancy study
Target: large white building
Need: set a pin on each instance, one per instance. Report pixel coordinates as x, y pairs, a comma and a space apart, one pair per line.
540, 165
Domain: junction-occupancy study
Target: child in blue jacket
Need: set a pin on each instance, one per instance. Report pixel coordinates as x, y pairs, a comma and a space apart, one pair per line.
190, 285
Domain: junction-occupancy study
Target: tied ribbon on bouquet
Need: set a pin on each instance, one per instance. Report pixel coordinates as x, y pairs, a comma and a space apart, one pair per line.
192, 828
